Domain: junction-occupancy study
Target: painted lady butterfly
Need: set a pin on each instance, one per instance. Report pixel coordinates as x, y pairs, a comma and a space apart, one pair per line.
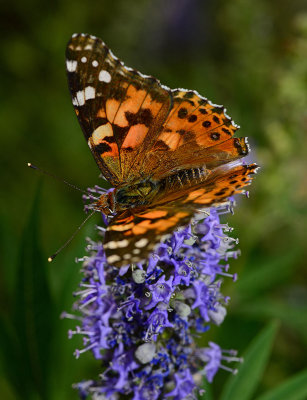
167, 152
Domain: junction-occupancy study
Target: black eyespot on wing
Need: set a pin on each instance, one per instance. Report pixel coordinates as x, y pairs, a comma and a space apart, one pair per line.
221, 192
189, 95
206, 124
182, 113
226, 131
192, 118
215, 136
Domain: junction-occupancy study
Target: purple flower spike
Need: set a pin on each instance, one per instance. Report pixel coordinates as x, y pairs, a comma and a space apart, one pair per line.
212, 356
140, 320
184, 385
161, 291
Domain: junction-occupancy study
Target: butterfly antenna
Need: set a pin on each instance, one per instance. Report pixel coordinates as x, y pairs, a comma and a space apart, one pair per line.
51, 258
30, 165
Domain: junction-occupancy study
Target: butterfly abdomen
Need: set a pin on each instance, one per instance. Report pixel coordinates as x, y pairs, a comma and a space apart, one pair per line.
187, 177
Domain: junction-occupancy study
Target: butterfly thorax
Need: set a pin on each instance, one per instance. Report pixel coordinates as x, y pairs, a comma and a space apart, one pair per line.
137, 194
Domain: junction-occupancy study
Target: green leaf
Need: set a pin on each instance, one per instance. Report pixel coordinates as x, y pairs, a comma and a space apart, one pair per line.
294, 388
207, 395
33, 316
9, 351
269, 308
268, 273
243, 385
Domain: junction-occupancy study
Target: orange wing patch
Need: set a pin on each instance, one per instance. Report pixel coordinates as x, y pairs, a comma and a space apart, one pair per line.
135, 136
101, 133
161, 225
195, 119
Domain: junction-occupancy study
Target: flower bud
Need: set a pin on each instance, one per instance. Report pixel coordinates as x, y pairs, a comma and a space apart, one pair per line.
145, 353
138, 276
182, 309
217, 316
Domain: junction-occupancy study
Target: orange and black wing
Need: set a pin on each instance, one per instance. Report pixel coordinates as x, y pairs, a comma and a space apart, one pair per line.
223, 182
119, 109
131, 237
195, 133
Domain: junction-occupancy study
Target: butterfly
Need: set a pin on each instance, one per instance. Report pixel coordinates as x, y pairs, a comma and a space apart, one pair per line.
167, 153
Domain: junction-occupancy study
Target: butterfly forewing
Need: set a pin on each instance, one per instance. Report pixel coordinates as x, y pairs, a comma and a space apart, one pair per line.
195, 133
119, 110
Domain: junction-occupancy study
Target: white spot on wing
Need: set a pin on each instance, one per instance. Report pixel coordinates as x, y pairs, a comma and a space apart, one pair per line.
116, 244
75, 101
89, 92
95, 63
71, 65
113, 258
112, 54
123, 243
88, 47
83, 59
101, 132
136, 251
141, 243
104, 76
80, 99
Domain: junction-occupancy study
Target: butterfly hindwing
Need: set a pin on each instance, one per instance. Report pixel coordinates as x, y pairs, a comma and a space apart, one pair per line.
222, 183
131, 237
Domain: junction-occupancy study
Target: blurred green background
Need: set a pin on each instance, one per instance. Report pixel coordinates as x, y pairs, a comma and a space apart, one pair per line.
250, 56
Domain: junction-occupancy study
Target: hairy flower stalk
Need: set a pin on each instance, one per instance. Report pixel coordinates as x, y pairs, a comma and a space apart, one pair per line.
142, 321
